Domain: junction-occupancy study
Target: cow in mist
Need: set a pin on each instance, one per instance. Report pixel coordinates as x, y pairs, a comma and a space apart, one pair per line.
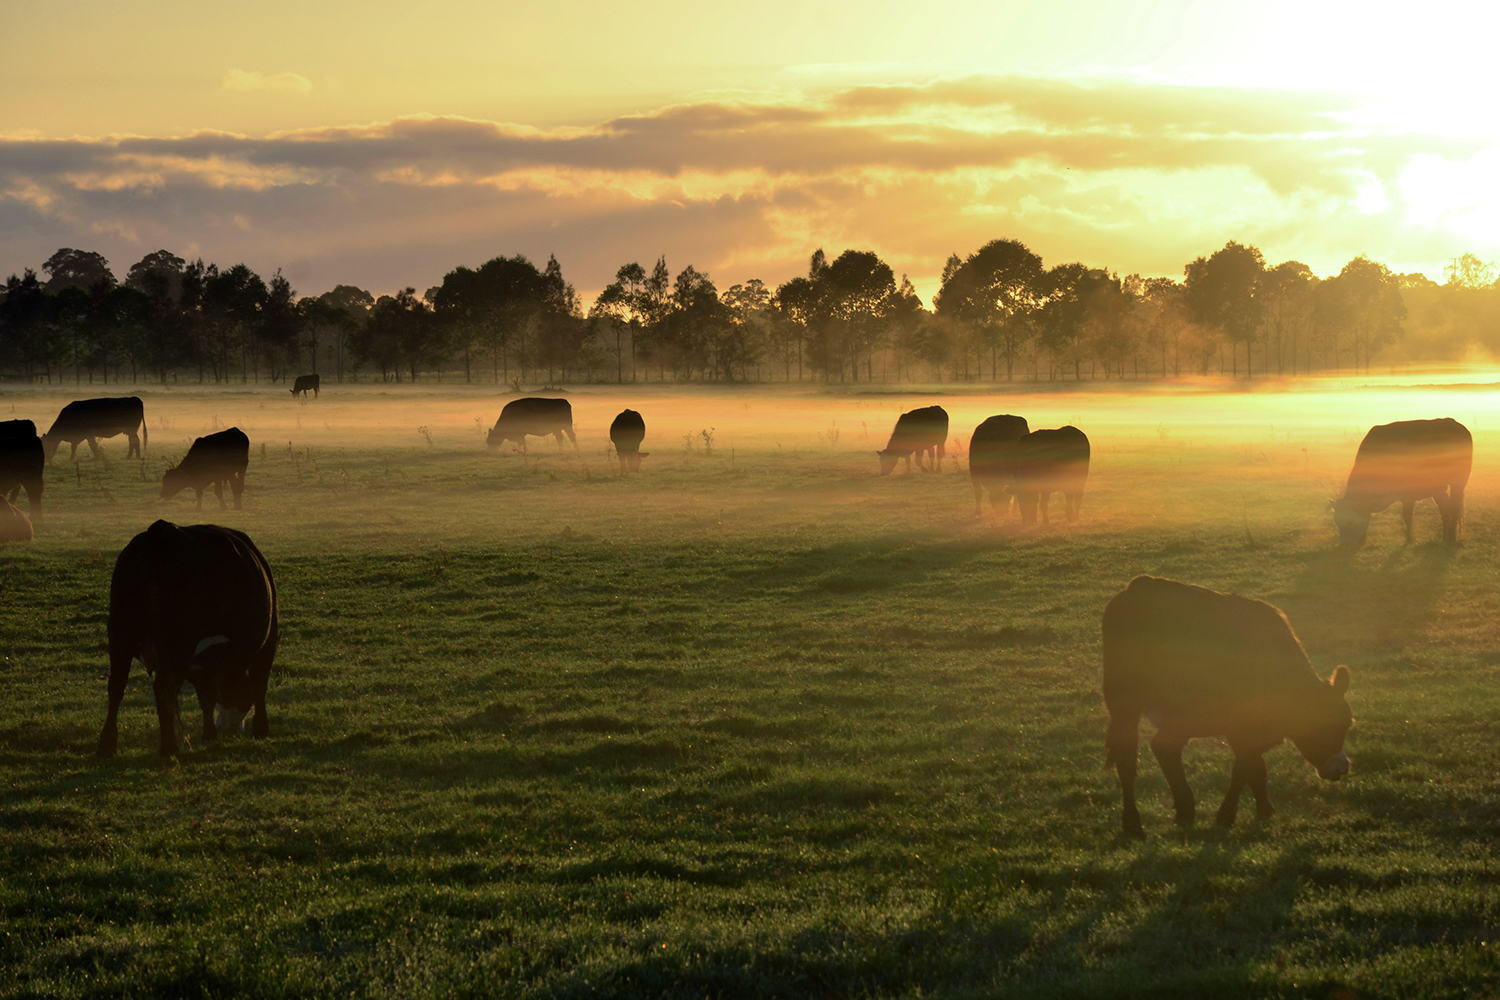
1408, 460
1199, 664
1045, 462
91, 419
989, 457
15, 526
626, 433
197, 605
213, 460
21, 463
536, 416
922, 431
306, 384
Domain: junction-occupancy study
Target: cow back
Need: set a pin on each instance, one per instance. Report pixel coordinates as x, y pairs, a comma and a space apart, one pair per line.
1412, 456
993, 442
1055, 459
627, 431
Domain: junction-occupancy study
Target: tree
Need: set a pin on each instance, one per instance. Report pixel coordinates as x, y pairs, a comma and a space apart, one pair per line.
158, 274
396, 335
752, 318
1221, 293
232, 304
857, 295
622, 307
1364, 302
993, 293
1468, 271
1286, 309
356, 304
28, 331
82, 268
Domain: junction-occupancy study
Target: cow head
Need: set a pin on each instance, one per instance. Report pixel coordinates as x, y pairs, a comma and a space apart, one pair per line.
495, 438
888, 460
293, 391
1351, 523
172, 482
633, 460
1326, 723
50, 445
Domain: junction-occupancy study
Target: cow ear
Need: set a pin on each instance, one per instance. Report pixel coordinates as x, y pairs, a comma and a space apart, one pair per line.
1340, 679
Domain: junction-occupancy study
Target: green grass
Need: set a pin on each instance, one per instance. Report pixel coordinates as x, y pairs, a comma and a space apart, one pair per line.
760, 725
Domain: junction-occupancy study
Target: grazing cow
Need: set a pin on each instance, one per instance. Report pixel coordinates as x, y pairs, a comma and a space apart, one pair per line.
1198, 663
1408, 460
923, 431
90, 419
627, 432
197, 605
305, 384
21, 462
211, 461
989, 454
536, 416
15, 526
1047, 462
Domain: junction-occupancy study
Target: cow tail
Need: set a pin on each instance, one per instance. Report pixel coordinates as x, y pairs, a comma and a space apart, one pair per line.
145, 438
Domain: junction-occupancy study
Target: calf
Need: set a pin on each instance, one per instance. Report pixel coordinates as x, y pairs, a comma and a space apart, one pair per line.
536, 416
305, 384
211, 461
922, 431
1197, 663
15, 526
91, 419
1408, 460
1046, 462
989, 456
21, 462
197, 605
626, 433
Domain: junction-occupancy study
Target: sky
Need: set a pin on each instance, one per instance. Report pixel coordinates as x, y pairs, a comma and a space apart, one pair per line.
383, 145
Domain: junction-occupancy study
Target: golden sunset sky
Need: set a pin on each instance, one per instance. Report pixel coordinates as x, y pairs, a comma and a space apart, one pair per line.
382, 145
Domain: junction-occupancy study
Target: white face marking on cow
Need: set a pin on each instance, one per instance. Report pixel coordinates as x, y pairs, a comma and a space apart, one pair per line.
213, 640
227, 720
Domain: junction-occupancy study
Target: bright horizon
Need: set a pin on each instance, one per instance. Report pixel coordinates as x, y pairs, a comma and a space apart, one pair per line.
1129, 136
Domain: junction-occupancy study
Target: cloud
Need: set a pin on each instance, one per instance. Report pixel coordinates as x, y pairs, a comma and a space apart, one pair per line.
281, 83
1131, 175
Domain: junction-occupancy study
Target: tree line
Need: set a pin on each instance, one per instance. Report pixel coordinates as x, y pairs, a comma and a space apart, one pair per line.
999, 315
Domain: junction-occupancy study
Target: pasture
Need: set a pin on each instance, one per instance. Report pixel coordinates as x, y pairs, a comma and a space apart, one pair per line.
755, 722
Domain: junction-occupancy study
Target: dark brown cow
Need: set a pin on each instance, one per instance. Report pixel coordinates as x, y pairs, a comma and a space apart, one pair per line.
15, 526
626, 433
923, 431
536, 416
91, 419
306, 384
1408, 460
213, 460
197, 605
1198, 663
21, 463
1046, 462
989, 455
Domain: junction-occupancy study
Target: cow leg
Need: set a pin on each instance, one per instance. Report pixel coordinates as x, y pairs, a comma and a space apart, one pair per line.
978, 497
622, 462
93, 447
119, 674
1257, 781
167, 712
199, 491
1042, 504
237, 484
219, 492
1075, 501
1238, 778
1120, 746
1168, 751
571, 437
73, 450
1407, 507
205, 694
135, 445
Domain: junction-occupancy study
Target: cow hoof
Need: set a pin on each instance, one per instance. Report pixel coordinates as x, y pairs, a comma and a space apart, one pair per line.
1185, 820
1225, 820
1265, 813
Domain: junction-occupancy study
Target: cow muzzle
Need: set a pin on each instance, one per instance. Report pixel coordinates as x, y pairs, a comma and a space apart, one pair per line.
229, 720
1334, 767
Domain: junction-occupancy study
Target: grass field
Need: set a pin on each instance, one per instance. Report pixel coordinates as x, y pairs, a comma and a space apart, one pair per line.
754, 723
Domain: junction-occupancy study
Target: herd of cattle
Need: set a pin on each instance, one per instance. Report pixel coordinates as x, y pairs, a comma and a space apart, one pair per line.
198, 605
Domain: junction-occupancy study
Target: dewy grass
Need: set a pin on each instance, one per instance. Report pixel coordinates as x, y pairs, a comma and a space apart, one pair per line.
785, 728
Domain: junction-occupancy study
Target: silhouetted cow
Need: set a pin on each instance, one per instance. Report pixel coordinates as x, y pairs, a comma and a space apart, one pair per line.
536, 416
15, 526
989, 455
90, 419
197, 605
306, 383
923, 431
627, 432
211, 461
21, 463
1197, 663
1408, 460
1046, 462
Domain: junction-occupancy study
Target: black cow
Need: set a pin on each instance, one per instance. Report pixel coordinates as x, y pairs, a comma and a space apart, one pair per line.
197, 605
1408, 460
1201, 664
15, 526
923, 431
627, 432
21, 462
90, 419
306, 383
989, 456
536, 416
211, 461
1046, 462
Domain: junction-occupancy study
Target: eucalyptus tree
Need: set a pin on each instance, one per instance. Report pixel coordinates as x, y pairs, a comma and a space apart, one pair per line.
1221, 292
994, 293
